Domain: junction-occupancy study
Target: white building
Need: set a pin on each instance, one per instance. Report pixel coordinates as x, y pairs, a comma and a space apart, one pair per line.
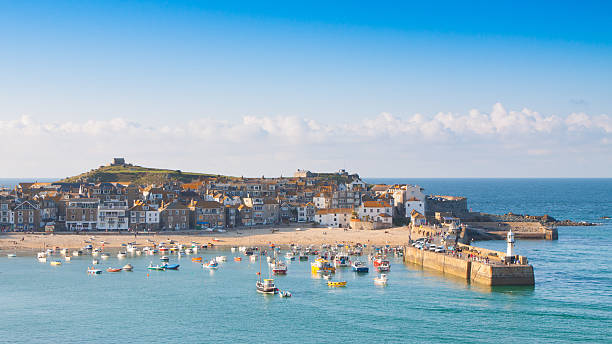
82, 214
306, 212
414, 204
113, 215
338, 217
376, 211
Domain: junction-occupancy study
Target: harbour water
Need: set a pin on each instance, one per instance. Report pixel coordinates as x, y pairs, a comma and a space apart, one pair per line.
571, 301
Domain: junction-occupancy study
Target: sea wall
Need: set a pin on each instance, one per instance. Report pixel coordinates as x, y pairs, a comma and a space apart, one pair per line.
472, 271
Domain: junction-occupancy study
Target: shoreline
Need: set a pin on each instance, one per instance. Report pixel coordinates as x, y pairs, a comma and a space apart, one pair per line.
396, 236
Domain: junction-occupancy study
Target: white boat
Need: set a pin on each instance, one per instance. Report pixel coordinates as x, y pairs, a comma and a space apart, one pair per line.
121, 255
41, 255
95, 261
67, 258
138, 252
77, 253
234, 248
188, 251
104, 255
290, 256
221, 259
130, 248
253, 258
64, 251
381, 280
11, 255
42, 259
127, 267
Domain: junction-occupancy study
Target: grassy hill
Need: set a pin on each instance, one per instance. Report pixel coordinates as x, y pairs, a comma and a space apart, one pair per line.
134, 174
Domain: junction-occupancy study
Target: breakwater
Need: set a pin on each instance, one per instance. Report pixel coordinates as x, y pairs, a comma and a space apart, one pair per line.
493, 272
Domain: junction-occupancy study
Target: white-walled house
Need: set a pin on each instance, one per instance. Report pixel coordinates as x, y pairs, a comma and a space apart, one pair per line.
414, 204
377, 211
338, 217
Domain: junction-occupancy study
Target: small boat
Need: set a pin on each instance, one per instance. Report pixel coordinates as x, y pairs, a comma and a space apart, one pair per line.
127, 267
266, 286
92, 271
341, 260
138, 252
320, 265
383, 266
279, 268
41, 255
164, 259
113, 270
130, 248
360, 267
88, 247
67, 258
171, 267
212, 264
303, 257
237, 259
221, 259
289, 256
326, 275
104, 255
234, 248
196, 259
253, 258
121, 255
381, 280
64, 251
188, 251
336, 283
11, 255
156, 267
42, 260
77, 253
285, 293
56, 262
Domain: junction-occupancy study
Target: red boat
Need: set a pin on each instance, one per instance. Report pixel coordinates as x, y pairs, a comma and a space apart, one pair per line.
112, 270
382, 264
279, 268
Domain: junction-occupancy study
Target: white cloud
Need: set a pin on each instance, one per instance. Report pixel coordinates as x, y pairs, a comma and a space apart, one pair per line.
243, 146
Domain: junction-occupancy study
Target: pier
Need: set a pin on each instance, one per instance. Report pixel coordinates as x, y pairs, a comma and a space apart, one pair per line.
475, 265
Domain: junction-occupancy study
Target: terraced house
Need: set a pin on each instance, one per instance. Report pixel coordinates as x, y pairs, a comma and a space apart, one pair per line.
26, 216
207, 214
174, 216
82, 214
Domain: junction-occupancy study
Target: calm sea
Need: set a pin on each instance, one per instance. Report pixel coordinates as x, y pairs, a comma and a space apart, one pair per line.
571, 301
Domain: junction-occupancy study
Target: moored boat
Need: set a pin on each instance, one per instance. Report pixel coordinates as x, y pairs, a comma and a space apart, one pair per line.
171, 266
156, 267
336, 283
196, 259
164, 258
67, 258
320, 265
92, 271
359, 266
121, 255
105, 256
113, 270
341, 260
11, 255
221, 259
127, 267
266, 286
237, 259
279, 268
56, 262
212, 264
381, 280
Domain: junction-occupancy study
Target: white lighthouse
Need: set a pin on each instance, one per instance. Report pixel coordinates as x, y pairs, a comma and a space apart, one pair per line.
510, 240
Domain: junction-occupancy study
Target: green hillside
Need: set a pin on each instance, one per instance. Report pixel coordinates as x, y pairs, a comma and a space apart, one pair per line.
134, 174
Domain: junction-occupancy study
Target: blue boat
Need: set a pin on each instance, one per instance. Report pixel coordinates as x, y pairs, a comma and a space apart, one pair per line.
171, 267
360, 267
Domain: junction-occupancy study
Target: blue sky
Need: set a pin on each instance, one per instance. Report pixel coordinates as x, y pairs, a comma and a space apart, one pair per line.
182, 64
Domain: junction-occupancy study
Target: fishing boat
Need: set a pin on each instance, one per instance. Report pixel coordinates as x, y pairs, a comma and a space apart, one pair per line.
156, 267
212, 264
92, 271
196, 259
237, 259
56, 262
382, 265
113, 270
279, 268
381, 280
290, 256
336, 283
121, 255
127, 267
320, 265
341, 260
266, 286
164, 258
221, 259
359, 266
171, 267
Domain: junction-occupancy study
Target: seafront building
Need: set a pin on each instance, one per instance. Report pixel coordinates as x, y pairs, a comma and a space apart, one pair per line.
337, 199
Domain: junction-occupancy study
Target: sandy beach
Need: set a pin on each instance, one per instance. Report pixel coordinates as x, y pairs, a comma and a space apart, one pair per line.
236, 237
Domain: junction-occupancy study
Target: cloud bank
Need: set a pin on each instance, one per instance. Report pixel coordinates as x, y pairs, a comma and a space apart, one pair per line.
476, 144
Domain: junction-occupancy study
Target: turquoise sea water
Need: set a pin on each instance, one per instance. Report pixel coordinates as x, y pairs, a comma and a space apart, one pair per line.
571, 301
